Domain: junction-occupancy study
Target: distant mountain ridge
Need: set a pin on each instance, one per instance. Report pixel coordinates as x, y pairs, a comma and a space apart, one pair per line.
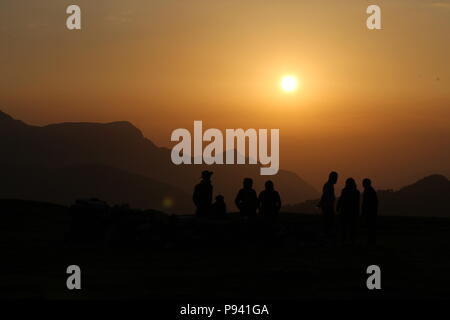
121, 147
428, 196
115, 186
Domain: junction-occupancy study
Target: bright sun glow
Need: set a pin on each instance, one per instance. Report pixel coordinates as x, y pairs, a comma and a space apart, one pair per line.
289, 83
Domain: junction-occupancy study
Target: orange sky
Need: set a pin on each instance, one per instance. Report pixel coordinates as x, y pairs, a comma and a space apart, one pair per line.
373, 103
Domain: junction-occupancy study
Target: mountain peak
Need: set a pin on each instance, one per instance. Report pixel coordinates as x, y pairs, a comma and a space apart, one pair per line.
428, 184
123, 127
126, 126
432, 179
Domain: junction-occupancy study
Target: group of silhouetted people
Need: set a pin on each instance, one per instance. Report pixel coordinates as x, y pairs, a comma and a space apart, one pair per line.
349, 208
267, 204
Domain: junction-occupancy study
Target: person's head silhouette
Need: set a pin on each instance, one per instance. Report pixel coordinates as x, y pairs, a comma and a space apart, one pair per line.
367, 183
206, 175
220, 198
350, 183
248, 183
333, 177
269, 185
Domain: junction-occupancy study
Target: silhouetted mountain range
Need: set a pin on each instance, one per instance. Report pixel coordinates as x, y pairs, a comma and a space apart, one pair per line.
427, 197
116, 186
115, 162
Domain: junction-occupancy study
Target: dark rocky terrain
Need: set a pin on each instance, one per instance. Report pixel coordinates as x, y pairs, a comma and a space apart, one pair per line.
128, 253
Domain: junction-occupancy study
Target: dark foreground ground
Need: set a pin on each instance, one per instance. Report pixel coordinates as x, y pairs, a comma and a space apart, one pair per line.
146, 255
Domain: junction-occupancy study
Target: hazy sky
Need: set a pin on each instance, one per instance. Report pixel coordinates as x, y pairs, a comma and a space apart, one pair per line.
370, 103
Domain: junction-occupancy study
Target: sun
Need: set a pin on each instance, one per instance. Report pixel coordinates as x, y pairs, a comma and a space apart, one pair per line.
289, 83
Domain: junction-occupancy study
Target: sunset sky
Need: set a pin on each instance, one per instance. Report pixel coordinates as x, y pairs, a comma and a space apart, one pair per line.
368, 103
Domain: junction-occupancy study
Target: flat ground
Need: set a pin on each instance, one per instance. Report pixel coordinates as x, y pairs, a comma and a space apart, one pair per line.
224, 259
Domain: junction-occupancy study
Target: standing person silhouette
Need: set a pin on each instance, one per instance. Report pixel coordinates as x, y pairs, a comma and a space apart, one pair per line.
369, 210
327, 203
269, 201
246, 199
348, 208
203, 194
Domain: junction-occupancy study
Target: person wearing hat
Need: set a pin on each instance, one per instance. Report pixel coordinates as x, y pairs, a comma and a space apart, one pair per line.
203, 194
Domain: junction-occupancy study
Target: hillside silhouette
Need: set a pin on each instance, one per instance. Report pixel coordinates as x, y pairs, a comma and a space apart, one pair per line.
425, 197
117, 145
63, 185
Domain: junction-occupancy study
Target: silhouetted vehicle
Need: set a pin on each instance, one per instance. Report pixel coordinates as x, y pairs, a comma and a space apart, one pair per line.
348, 208
269, 201
369, 210
219, 207
203, 193
327, 203
246, 199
